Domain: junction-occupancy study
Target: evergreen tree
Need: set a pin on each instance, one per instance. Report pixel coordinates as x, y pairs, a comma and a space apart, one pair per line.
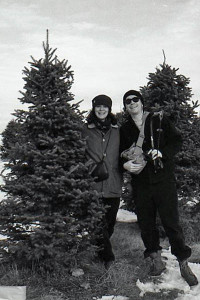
168, 91
50, 213
9, 138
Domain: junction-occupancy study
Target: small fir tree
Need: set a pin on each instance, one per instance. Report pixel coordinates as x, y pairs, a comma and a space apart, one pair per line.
168, 91
51, 213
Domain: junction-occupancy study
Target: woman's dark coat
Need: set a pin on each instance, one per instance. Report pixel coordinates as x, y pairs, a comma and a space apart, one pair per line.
96, 144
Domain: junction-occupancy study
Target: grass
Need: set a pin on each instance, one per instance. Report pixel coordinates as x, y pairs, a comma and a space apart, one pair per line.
120, 279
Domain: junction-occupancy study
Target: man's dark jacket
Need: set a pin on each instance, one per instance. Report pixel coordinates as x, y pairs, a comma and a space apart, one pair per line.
166, 139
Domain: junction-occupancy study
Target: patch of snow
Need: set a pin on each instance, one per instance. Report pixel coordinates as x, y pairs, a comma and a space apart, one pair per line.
77, 272
192, 202
126, 216
171, 279
2, 237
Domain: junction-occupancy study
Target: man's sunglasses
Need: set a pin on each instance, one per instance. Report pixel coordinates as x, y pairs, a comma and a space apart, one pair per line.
128, 101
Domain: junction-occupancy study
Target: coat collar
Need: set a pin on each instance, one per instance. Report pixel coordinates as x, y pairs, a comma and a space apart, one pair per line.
92, 125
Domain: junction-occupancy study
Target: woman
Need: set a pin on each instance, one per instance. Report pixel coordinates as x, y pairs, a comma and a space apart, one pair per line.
102, 138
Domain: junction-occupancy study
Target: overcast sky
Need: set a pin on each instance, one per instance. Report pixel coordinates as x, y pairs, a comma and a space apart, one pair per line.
112, 45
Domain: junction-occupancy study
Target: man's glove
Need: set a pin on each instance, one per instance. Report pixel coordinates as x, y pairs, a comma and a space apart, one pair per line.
156, 156
155, 153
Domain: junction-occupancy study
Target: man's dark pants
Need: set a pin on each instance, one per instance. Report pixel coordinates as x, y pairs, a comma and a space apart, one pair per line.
160, 197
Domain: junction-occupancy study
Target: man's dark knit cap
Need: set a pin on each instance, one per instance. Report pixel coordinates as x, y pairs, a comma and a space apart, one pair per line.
134, 93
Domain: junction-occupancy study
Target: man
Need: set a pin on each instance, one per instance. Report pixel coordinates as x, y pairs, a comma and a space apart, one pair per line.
154, 180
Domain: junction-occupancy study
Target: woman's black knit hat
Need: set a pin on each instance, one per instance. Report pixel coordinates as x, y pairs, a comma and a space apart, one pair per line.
102, 100
134, 93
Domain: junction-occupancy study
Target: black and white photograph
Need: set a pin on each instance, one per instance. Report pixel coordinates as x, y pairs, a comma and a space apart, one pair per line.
99, 150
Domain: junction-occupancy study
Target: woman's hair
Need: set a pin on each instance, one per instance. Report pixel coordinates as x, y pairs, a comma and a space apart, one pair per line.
91, 118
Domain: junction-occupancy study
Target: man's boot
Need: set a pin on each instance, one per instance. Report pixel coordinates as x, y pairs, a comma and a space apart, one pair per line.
187, 273
157, 265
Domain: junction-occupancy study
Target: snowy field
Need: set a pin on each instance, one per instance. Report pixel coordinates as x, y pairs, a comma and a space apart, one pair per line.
171, 279
168, 281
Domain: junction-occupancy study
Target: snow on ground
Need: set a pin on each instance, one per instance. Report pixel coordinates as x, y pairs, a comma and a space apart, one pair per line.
126, 216
168, 281
171, 280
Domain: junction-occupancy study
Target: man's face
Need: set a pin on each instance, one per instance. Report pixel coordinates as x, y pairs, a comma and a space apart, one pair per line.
133, 105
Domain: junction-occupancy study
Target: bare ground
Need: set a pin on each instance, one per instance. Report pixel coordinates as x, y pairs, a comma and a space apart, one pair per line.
96, 282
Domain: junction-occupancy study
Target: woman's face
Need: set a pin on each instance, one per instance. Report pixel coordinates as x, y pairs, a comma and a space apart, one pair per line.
101, 111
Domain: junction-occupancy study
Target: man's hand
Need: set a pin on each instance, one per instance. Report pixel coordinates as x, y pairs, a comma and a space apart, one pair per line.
155, 153
132, 167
